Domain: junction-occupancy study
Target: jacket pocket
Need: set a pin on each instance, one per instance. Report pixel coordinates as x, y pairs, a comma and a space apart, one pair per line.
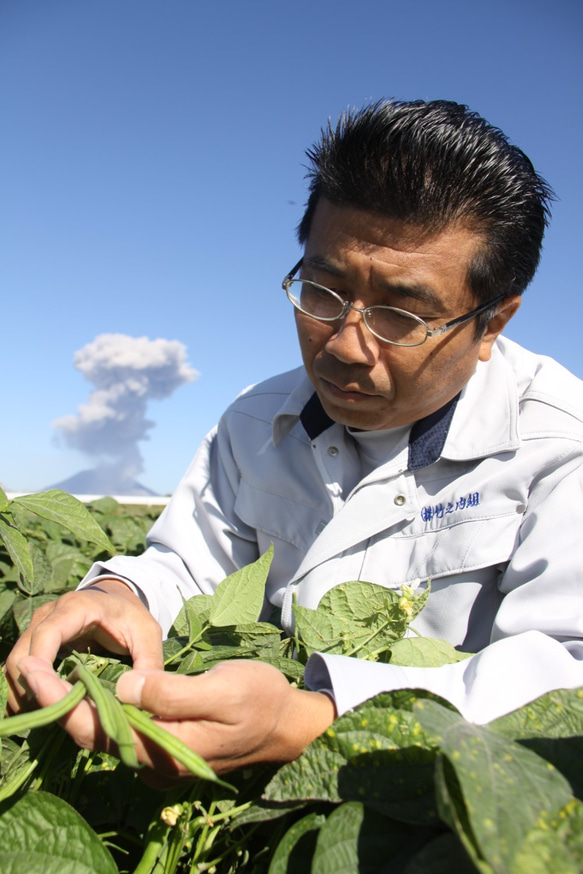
456, 548
277, 516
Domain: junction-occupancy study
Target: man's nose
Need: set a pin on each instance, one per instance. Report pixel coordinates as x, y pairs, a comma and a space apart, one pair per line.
352, 342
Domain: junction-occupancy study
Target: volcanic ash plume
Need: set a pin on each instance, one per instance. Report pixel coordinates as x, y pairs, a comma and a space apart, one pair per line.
127, 372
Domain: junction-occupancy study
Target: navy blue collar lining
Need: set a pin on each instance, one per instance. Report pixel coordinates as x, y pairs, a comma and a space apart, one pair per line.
314, 419
426, 439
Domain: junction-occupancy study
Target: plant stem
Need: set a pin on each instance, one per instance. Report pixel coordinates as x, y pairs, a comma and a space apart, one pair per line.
374, 634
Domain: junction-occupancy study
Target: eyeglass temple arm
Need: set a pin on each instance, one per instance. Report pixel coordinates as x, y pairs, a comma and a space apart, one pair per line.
293, 271
465, 318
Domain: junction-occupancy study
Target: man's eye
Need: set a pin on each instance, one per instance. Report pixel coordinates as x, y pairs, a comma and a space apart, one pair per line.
423, 317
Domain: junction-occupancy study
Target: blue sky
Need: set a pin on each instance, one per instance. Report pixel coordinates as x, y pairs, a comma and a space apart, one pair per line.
153, 176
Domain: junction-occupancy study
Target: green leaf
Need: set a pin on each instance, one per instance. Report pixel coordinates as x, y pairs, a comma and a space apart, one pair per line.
262, 636
105, 506
443, 855
69, 566
565, 753
17, 765
58, 506
41, 834
506, 791
552, 727
425, 652
292, 669
3, 693
4, 502
354, 840
42, 573
556, 714
357, 619
377, 753
194, 613
7, 599
436, 717
127, 535
17, 546
296, 849
198, 661
24, 609
7, 622
261, 811
359, 600
239, 598
558, 848
312, 777
337, 846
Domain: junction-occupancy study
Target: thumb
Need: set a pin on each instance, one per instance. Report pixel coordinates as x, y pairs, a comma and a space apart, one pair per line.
130, 686
168, 695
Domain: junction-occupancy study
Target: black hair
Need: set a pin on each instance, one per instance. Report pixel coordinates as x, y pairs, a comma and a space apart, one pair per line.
434, 164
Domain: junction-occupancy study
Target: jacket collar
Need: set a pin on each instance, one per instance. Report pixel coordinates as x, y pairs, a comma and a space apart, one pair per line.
425, 440
486, 417
481, 420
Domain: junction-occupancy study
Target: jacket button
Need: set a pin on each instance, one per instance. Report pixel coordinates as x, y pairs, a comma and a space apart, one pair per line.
400, 500
333, 451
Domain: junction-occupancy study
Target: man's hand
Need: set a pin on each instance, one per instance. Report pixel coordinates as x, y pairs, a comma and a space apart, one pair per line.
107, 615
240, 713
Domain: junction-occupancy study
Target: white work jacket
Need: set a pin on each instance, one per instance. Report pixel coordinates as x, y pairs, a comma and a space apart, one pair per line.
484, 499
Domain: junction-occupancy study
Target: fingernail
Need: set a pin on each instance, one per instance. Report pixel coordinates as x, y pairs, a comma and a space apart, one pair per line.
129, 687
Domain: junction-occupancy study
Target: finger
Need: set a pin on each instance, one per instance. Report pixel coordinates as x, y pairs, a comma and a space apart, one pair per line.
59, 627
220, 695
22, 645
17, 693
82, 722
116, 620
126, 625
182, 706
146, 646
170, 696
47, 687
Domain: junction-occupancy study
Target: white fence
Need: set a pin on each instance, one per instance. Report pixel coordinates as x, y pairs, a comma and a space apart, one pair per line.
143, 500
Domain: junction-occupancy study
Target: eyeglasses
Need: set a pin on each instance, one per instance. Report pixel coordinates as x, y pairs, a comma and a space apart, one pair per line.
389, 324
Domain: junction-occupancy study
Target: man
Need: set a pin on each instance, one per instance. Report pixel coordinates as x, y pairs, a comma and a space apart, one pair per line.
415, 444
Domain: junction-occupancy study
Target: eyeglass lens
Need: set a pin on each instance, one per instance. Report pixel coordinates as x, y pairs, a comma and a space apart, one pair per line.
388, 324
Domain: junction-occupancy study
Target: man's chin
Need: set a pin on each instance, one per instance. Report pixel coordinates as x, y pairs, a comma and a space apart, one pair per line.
351, 415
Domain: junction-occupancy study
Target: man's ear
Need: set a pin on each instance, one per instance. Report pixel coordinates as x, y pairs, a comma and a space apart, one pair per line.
497, 324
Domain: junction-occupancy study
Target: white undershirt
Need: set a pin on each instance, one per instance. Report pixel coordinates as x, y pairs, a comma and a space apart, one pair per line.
377, 447
345, 457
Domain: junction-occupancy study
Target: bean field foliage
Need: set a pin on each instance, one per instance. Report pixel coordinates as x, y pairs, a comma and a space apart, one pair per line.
401, 784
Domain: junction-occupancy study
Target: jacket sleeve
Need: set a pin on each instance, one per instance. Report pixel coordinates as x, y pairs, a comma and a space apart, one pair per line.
502, 677
197, 541
537, 638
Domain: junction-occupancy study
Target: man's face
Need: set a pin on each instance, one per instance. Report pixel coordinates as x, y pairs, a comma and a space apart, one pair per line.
369, 260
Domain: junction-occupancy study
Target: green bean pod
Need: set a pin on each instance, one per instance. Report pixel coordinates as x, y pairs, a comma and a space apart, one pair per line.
172, 745
44, 715
123, 735
114, 721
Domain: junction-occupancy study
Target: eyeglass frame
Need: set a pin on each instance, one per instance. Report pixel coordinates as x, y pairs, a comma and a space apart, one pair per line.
347, 307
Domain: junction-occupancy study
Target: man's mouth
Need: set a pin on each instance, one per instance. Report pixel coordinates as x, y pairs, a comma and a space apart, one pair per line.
345, 393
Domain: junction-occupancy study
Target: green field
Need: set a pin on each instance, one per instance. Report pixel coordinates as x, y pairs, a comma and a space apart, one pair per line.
401, 784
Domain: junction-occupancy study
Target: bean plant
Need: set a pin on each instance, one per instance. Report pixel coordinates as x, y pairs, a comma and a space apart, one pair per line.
400, 784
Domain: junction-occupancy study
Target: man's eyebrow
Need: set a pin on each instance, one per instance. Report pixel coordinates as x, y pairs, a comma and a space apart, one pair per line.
414, 291
318, 262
